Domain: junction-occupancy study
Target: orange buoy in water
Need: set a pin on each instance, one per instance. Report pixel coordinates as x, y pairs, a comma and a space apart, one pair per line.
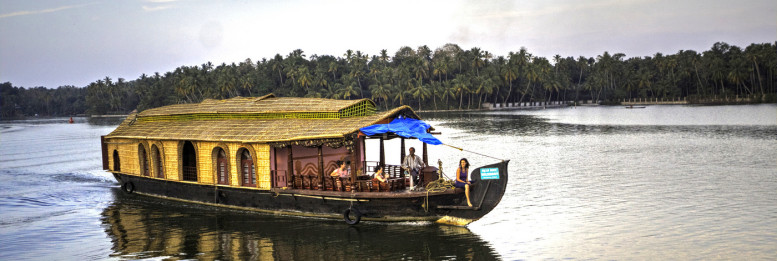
71, 120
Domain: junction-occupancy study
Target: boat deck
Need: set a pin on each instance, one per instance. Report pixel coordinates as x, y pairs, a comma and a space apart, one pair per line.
361, 195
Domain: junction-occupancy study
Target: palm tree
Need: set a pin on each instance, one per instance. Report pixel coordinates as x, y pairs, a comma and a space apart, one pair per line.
645, 80
421, 92
399, 94
531, 74
438, 91
460, 87
716, 63
303, 77
333, 67
477, 59
519, 62
346, 90
381, 91
226, 80
509, 74
753, 53
440, 69
447, 91
485, 87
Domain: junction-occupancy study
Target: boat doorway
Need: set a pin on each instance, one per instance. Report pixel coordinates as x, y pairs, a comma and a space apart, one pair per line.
157, 158
189, 162
116, 162
143, 157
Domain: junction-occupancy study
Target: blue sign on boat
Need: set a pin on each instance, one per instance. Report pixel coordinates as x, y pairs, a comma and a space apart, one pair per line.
489, 173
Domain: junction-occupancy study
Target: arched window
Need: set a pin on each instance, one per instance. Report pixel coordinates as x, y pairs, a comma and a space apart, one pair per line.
189, 162
222, 169
116, 163
158, 165
247, 170
143, 158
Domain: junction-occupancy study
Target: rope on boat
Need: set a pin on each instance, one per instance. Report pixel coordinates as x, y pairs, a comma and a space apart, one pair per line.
439, 185
481, 154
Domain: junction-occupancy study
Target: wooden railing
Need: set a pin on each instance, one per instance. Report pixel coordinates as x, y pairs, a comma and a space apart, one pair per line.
364, 183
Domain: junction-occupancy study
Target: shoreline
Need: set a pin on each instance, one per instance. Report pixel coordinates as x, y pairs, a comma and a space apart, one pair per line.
636, 103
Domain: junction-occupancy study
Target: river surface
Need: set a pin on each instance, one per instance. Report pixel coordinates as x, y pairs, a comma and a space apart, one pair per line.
663, 182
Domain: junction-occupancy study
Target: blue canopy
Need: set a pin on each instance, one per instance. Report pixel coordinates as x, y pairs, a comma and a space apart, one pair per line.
404, 127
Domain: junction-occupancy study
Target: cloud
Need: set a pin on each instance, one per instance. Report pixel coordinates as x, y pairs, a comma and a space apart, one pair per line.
156, 8
34, 12
157, 5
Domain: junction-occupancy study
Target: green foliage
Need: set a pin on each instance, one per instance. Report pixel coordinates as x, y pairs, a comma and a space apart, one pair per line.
448, 77
17, 102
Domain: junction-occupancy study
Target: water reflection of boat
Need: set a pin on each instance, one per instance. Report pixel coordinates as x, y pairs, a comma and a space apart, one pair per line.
275, 154
147, 228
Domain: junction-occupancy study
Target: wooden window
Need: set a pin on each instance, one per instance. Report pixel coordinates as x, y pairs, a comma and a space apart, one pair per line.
247, 170
143, 158
222, 169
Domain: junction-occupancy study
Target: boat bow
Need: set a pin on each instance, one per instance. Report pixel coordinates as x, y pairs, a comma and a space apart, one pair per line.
488, 186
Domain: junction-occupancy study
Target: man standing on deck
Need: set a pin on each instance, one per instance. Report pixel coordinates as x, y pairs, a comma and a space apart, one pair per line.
413, 164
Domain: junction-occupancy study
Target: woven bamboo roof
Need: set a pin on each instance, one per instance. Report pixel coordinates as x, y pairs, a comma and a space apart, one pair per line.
265, 104
264, 119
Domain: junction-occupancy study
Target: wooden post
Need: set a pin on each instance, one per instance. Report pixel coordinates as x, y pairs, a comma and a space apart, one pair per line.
273, 171
425, 155
321, 167
355, 160
354, 166
291, 165
402, 150
382, 153
364, 152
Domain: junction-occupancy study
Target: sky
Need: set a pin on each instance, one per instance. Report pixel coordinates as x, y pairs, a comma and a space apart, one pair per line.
58, 43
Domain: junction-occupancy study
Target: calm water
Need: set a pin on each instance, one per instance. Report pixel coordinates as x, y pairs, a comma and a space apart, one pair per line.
664, 182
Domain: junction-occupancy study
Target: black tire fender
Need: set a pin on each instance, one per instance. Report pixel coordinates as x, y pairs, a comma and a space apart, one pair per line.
347, 218
128, 187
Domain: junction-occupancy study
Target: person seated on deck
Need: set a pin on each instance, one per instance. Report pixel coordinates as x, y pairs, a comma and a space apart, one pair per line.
413, 164
380, 179
341, 172
379, 175
462, 180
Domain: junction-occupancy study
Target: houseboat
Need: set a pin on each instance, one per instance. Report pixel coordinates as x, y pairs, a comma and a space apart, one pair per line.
275, 155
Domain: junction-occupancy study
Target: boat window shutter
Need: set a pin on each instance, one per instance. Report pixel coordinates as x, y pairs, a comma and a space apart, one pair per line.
222, 169
248, 172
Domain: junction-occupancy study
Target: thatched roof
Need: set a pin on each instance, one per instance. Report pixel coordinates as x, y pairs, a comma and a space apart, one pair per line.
253, 105
264, 119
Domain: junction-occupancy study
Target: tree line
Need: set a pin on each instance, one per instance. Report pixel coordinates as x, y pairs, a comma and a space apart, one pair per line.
18, 102
448, 77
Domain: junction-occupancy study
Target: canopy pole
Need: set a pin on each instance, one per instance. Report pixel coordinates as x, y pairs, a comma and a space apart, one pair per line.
382, 153
402, 152
426, 155
354, 163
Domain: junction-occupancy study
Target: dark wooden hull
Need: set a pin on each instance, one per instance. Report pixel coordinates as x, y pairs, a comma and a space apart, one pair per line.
446, 207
